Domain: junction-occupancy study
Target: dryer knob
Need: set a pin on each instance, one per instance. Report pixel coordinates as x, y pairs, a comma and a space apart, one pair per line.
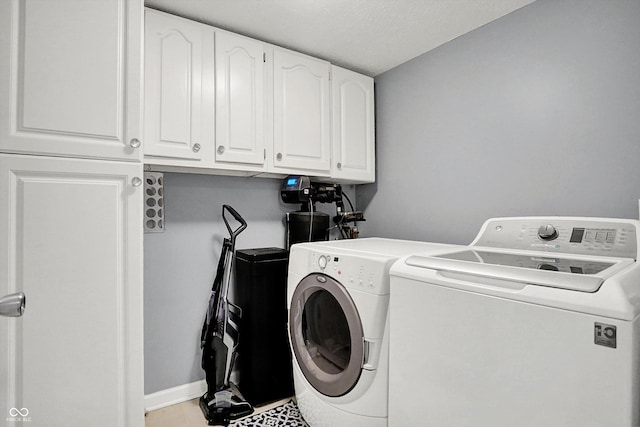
547, 232
322, 262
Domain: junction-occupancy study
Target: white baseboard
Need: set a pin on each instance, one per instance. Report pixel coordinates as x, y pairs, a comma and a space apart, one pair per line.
174, 395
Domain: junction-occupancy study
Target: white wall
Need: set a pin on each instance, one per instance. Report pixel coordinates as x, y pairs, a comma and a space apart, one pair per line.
537, 113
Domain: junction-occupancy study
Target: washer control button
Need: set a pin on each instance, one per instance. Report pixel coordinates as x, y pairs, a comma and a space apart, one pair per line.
322, 262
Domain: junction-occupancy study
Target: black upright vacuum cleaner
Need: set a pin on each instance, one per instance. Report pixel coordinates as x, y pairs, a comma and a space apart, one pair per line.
219, 340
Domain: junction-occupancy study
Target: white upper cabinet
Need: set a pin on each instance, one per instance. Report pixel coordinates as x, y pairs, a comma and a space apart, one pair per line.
240, 100
353, 126
70, 78
179, 93
301, 114
229, 104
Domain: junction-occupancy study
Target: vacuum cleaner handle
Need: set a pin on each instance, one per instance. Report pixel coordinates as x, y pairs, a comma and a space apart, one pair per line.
236, 215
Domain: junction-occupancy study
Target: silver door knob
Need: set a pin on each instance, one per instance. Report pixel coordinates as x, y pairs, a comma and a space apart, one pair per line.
196, 147
13, 305
221, 149
134, 143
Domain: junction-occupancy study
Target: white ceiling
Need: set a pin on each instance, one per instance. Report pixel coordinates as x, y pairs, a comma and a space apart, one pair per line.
368, 36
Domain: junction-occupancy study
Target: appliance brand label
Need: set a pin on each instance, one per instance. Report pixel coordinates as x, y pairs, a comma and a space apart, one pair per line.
545, 245
604, 334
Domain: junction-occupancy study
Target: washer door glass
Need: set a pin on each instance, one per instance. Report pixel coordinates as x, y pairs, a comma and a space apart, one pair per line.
326, 335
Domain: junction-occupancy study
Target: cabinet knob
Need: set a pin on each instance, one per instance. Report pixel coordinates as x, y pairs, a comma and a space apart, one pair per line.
196, 147
136, 182
339, 166
220, 149
134, 143
279, 156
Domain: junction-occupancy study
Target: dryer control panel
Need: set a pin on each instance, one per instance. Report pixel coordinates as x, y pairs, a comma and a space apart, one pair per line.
580, 236
368, 274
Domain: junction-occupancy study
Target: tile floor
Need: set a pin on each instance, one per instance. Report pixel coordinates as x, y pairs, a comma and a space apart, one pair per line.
188, 414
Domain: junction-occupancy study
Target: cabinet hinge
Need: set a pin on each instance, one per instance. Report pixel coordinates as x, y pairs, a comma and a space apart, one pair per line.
265, 153
264, 57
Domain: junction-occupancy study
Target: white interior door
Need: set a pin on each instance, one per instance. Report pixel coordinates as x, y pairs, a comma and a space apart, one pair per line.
71, 240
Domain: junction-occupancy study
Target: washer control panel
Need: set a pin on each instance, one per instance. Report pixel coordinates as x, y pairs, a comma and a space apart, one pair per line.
355, 272
586, 236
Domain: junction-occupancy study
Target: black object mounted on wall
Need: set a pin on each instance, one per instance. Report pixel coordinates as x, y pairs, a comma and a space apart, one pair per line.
308, 225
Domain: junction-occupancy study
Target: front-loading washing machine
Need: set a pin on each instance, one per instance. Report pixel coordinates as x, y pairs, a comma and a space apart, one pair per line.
338, 298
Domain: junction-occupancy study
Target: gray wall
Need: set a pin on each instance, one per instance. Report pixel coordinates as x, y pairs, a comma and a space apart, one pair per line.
180, 264
537, 113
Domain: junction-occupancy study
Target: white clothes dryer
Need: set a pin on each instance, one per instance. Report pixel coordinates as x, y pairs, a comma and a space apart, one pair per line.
536, 323
338, 297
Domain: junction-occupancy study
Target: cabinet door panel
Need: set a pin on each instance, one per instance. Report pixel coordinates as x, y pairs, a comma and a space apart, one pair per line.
176, 99
301, 112
178, 87
71, 77
239, 99
353, 126
71, 240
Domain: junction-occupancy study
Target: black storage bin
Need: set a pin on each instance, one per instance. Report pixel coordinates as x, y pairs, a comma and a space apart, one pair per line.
264, 356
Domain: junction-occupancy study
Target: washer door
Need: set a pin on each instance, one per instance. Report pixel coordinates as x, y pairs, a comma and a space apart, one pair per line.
326, 335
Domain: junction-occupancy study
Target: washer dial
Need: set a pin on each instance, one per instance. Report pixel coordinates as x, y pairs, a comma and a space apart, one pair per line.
547, 232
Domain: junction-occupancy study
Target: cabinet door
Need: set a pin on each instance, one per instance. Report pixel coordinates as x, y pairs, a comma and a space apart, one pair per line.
353, 126
239, 99
301, 124
179, 93
71, 240
70, 80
